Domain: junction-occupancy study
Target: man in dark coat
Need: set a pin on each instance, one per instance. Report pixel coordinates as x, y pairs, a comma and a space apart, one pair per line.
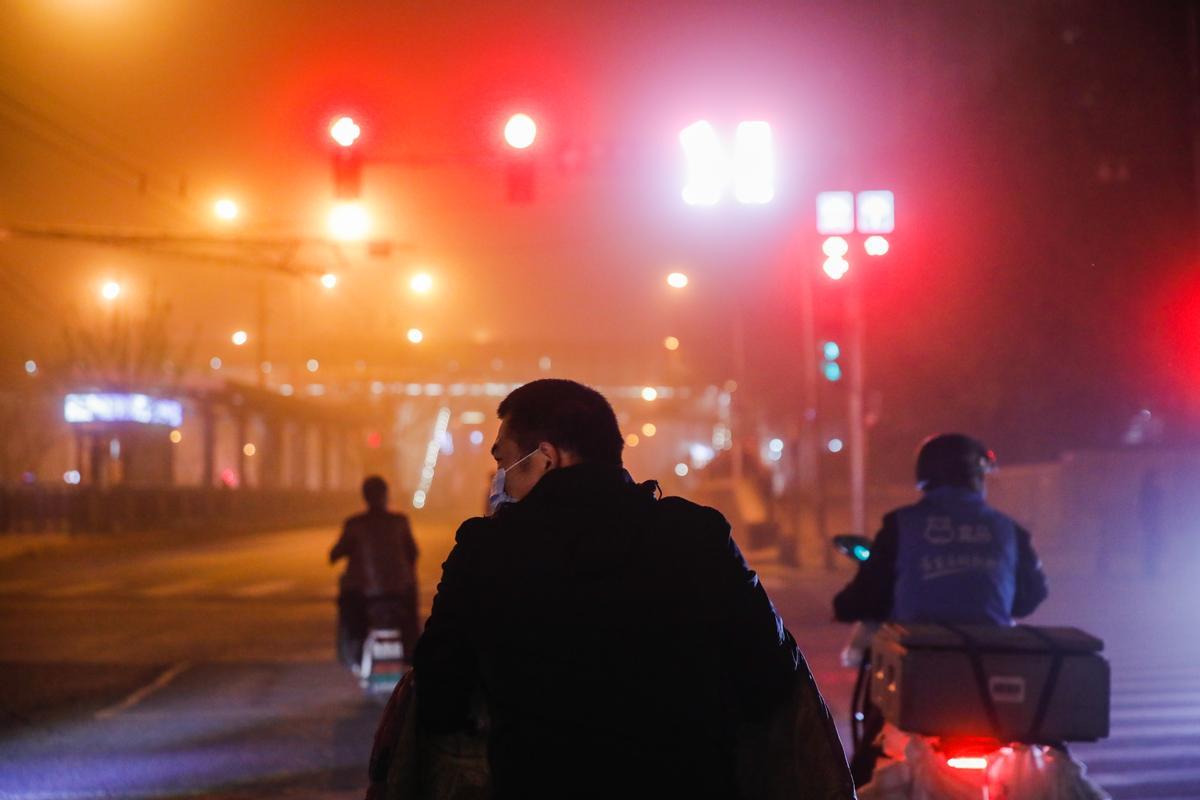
617, 639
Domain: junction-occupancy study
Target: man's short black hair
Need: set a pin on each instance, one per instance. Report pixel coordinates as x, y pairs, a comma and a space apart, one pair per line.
374, 490
566, 414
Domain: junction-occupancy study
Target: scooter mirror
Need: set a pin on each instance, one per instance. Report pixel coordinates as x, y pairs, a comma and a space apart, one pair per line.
853, 546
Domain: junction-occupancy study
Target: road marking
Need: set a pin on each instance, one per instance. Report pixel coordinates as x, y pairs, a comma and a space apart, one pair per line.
168, 675
169, 589
91, 587
263, 589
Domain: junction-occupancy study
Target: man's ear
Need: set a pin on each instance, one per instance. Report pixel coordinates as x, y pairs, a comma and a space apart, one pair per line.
553, 455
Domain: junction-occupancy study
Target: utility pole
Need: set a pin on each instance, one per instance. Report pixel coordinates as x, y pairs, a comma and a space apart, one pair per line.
857, 431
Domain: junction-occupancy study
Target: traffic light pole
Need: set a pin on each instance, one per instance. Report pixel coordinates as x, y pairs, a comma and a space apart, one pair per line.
812, 499
857, 433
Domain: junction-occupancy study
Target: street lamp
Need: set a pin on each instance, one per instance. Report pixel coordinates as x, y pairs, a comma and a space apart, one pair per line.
421, 283
110, 290
677, 280
329, 280
349, 222
226, 209
415, 335
239, 338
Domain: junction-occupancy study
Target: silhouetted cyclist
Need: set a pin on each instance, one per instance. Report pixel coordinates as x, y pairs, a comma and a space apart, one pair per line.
379, 586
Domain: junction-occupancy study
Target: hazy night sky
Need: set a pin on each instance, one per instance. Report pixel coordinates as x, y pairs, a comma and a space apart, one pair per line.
1040, 153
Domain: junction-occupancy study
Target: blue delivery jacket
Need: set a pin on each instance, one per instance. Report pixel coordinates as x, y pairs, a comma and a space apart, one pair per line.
948, 558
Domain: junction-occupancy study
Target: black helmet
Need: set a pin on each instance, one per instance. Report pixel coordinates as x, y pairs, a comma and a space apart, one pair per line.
953, 459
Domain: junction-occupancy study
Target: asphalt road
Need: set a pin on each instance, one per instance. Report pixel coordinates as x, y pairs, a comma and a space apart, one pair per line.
139, 666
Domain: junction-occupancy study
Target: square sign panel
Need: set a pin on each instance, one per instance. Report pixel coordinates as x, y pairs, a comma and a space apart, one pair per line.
835, 213
876, 212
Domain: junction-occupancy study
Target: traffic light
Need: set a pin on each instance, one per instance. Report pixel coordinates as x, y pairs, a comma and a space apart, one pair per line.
347, 160
836, 266
830, 368
520, 132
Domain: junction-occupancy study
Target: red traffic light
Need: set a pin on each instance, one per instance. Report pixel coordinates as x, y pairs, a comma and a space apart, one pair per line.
344, 131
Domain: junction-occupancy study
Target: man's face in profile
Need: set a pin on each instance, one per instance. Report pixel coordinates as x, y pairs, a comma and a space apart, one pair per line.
518, 478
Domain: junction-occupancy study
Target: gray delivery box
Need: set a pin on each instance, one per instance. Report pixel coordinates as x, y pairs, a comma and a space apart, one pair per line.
1022, 683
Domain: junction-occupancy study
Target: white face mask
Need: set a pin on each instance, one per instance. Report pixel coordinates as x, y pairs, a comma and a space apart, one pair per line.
498, 496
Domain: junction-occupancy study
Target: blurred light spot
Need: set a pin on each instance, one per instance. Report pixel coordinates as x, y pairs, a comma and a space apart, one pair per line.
876, 246
344, 131
421, 283
374, 440
176, 436
31, 367
754, 163
71, 476
520, 131
114, 449
967, 762
349, 222
110, 290
876, 212
862, 552
706, 166
649, 429
701, 455
476, 438
215, 362
249, 449
472, 417
312, 365
835, 212
329, 280
775, 445
286, 390
415, 335
677, 280
681, 469
239, 338
835, 445
544, 363
835, 246
265, 367
631, 440
419, 498
731, 386
225, 209
832, 370
831, 351
649, 394
836, 267
671, 343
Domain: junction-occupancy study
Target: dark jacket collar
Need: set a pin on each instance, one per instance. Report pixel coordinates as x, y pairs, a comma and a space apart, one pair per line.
584, 484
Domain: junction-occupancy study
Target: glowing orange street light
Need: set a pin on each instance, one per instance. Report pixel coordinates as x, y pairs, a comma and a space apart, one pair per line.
649, 394
349, 222
226, 209
239, 338
671, 343
677, 280
329, 280
421, 283
520, 131
110, 290
415, 335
